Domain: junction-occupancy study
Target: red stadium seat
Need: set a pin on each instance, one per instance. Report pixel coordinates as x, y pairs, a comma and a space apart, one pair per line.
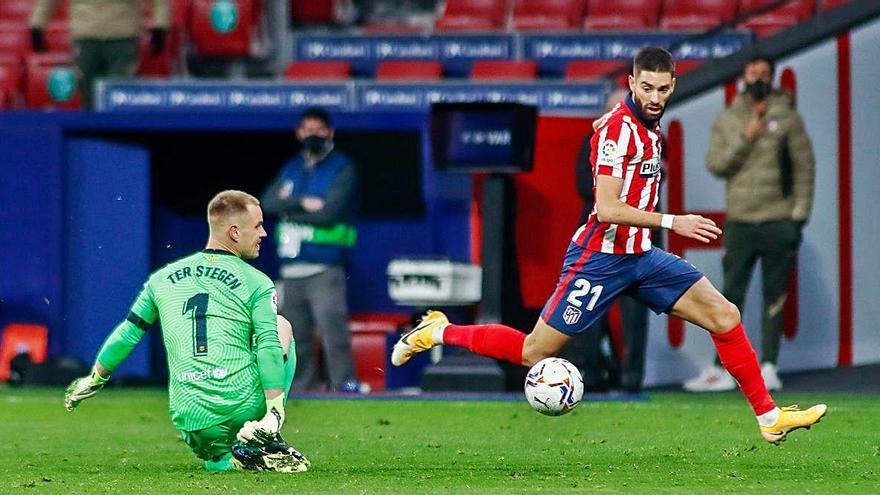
369, 335
472, 15
591, 70
830, 4
544, 15
777, 19
504, 70
685, 66
11, 77
14, 38
51, 82
58, 37
16, 10
313, 11
318, 71
622, 15
697, 15
165, 63
231, 38
409, 70
392, 28
22, 338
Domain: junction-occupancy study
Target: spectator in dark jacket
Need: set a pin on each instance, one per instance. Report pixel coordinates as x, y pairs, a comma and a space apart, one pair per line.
315, 197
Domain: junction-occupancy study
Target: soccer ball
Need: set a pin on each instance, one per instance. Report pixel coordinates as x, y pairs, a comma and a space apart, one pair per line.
554, 386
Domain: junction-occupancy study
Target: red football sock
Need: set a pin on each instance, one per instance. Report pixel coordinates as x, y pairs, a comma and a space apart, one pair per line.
495, 341
738, 357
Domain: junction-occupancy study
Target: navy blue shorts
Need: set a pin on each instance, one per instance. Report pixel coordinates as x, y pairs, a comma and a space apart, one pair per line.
591, 281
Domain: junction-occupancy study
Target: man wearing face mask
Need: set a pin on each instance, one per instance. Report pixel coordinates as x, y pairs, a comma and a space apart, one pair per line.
315, 197
760, 148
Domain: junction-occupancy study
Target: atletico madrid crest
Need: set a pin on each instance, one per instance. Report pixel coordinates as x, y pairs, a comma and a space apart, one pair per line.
571, 315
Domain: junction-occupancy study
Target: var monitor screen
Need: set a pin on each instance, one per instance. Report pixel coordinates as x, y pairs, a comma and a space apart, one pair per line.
483, 137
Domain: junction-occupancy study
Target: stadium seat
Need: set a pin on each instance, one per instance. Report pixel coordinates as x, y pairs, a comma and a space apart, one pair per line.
788, 15
547, 15
830, 4
504, 70
369, 334
472, 15
622, 15
409, 70
313, 11
685, 66
16, 10
22, 337
50, 82
591, 70
392, 28
11, 75
696, 15
318, 71
165, 63
232, 36
58, 37
14, 38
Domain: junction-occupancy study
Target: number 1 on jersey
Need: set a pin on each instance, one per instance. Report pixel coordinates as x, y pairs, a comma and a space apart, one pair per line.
198, 304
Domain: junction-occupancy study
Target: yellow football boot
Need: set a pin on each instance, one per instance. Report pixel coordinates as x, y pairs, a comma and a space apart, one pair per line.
791, 418
419, 339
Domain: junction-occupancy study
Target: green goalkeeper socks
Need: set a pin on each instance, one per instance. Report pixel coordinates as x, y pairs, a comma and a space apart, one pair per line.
289, 370
223, 464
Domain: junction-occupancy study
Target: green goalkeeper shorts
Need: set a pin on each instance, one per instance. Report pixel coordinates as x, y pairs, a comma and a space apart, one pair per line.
214, 442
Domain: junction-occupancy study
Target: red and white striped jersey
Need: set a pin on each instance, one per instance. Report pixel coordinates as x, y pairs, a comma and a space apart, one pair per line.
624, 147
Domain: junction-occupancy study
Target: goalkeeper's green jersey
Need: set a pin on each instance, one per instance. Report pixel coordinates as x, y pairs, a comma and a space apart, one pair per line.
217, 313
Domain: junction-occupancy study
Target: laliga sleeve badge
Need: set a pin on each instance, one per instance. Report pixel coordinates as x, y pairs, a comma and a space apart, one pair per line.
609, 149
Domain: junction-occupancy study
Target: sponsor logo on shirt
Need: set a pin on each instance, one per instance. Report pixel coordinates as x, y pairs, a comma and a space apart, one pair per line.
200, 376
650, 166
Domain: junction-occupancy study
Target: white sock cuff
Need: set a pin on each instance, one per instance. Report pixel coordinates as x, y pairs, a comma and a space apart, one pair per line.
769, 418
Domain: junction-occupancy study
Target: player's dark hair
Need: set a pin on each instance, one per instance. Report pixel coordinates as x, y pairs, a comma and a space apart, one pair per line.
229, 202
317, 113
762, 58
653, 59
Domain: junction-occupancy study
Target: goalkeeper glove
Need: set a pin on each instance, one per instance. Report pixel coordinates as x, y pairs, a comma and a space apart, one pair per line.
83, 388
264, 431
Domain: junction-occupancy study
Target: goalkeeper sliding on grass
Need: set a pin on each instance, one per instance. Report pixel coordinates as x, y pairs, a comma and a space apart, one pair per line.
231, 359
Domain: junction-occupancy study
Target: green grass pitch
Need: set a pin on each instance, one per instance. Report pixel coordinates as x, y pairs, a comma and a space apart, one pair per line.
122, 442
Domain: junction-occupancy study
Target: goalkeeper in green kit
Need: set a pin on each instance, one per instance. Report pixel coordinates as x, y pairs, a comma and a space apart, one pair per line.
231, 358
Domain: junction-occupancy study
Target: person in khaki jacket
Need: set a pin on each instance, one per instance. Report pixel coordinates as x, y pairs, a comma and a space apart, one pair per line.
760, 148
105, 35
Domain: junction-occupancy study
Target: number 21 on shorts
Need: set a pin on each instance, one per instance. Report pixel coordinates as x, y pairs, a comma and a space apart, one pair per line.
584, 288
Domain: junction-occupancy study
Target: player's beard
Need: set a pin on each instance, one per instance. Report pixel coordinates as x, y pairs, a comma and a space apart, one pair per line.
643, 110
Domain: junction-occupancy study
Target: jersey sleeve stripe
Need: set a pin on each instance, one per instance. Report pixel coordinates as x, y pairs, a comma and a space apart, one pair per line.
137, 321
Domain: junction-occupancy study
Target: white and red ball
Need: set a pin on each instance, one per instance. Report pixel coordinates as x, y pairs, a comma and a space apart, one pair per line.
554, 386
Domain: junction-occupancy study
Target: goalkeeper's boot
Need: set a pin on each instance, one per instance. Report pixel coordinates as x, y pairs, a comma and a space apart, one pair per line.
791, 418
419, 339
275, 456
291, 456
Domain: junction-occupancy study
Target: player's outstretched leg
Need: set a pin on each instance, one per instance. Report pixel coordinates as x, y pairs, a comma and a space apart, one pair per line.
492, 340
703, 305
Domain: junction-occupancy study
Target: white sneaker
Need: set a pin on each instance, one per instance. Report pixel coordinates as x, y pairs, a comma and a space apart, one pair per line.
712, 379
770, 376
